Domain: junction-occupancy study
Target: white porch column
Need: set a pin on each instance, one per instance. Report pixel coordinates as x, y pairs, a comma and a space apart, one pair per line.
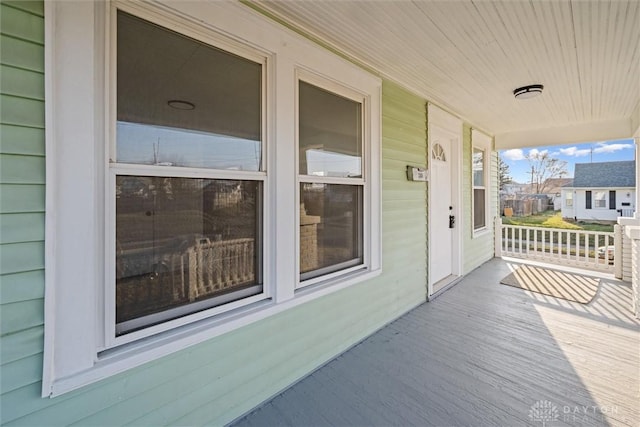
498, 237
633, 233
637, 141
627, 257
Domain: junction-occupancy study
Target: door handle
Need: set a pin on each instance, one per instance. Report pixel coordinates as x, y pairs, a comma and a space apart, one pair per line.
452, 221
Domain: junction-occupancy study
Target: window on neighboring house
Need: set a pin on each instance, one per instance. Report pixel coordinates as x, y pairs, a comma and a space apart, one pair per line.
479, 188
612, 200
568, 199
331, 181
600, 199
188, 210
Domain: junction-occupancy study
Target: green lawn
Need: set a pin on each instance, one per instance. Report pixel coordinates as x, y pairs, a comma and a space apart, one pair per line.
552, 219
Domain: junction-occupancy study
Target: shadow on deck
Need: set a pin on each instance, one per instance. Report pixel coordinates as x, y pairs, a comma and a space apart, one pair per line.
481, 354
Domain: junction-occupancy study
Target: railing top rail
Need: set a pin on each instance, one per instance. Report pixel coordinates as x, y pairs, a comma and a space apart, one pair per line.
588, 232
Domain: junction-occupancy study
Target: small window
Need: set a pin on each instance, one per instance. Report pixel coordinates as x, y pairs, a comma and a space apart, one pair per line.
331, 181
600, 199
568, 199
479, 189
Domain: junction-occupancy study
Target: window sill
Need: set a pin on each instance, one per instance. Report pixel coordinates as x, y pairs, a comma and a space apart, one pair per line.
128, 356
480, 232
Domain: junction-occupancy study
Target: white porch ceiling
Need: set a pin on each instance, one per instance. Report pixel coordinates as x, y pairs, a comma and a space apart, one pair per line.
468, 56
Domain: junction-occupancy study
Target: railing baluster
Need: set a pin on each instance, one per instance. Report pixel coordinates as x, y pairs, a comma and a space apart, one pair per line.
586, 248
520, 241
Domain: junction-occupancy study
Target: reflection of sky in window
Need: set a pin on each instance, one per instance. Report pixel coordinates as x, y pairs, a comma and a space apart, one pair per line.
148, 145
325, 163
478, 166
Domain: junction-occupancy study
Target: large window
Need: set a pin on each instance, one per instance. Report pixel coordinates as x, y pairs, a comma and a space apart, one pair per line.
331, 181
214, 164
184, 109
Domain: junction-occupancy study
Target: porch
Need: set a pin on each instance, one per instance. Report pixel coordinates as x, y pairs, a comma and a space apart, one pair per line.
481, 354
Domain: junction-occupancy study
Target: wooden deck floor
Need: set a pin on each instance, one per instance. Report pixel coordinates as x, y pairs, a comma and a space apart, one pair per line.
480, 354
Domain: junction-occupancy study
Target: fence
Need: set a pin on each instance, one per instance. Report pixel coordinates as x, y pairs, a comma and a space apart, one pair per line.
526, 206
587, 249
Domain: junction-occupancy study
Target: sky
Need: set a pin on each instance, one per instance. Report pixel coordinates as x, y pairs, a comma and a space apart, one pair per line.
604, 151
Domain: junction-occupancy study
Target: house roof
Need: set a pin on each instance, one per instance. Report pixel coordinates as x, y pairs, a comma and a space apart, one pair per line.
605, 174
554, 185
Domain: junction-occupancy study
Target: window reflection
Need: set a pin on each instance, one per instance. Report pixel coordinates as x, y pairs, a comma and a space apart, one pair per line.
330, 133
181, 102
330, 228
157, 145
324, 163
478, 168
181, 241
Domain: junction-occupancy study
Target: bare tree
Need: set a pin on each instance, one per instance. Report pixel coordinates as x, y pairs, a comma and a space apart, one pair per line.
543, 168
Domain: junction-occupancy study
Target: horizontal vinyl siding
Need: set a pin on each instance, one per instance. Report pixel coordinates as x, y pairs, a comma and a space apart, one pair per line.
216, 381
22, 179
480, 248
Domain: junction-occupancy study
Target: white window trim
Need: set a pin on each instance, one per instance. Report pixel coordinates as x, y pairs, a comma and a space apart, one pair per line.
480, 141
77, 86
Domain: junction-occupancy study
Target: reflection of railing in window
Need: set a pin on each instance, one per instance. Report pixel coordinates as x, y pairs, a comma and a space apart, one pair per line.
201, 270
215, 266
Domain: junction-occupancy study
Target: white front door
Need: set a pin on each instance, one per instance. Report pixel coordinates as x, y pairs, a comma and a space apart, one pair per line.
445, 199
441, 237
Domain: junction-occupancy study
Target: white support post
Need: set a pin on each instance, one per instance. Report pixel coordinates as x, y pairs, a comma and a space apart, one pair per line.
637, 207
617, 255
498, 237
633, 233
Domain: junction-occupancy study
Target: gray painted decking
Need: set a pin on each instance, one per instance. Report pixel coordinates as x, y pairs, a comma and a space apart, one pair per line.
480, 354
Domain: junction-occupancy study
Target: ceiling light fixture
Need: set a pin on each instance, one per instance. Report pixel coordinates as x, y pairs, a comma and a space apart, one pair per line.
181, 105
526, 92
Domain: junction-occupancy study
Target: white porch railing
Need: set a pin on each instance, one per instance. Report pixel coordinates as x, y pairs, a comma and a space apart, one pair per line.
586, 249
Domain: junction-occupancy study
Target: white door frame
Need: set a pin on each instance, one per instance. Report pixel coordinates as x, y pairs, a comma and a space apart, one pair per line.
451, 126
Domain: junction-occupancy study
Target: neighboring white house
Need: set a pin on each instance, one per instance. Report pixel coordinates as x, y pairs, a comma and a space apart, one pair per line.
600, 191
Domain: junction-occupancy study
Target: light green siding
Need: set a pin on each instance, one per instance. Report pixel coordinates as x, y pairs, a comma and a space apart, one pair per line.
476, 249
216, 381
21, 196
